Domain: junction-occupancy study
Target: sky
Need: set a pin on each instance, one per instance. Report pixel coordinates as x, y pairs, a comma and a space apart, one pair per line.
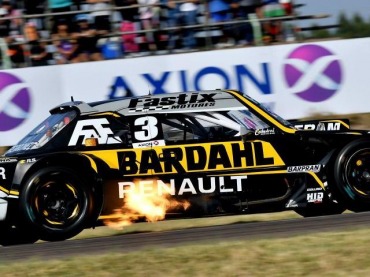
334, 8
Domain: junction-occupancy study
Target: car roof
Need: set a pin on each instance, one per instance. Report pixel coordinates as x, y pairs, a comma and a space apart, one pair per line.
184, 102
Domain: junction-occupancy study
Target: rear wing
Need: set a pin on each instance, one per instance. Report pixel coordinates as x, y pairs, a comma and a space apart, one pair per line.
322, 125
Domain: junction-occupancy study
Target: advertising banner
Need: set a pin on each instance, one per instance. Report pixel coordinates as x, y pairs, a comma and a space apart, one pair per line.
294, 80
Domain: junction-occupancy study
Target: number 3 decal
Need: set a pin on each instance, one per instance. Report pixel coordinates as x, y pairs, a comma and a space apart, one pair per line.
148, 128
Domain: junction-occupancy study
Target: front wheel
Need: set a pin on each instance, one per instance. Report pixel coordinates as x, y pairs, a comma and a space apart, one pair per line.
56, 203
352, 175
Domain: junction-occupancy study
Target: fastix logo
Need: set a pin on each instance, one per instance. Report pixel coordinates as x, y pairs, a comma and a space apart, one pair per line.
93, 128
15, 101
186, 100
313, 73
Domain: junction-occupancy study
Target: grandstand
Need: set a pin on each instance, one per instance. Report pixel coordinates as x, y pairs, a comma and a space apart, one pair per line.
36, 34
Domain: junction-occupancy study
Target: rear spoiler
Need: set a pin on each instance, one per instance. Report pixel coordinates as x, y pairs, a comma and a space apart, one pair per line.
322, 125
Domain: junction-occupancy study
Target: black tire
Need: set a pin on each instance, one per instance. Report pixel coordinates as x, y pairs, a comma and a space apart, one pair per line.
321, 210
352, 175
12, 235
56, 203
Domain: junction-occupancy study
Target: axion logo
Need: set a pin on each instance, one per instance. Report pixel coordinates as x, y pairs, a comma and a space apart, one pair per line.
93, 128
15, 101
313, 73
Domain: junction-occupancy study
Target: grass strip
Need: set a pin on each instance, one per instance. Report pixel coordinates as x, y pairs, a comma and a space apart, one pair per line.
342, 253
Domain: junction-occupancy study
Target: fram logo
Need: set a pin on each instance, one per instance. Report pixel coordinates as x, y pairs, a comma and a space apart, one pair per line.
15, 101
313, 73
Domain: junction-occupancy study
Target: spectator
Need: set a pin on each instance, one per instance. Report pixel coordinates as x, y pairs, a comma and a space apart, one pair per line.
58, 6
4, 23
87, 39
15, 38
288, 6
246, 8
65, 44
220, 11
149, 14
129, 17
101, 15
173, 20
188, 14
38, 54
32, 7
272, 29
12, 11
130, 14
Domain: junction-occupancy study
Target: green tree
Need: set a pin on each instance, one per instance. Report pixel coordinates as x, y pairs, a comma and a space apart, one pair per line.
356, 27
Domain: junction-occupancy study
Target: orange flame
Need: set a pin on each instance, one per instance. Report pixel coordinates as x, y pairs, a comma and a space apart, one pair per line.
144, 203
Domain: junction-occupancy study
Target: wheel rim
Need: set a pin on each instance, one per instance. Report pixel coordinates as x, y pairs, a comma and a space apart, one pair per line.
56, 201
357, 173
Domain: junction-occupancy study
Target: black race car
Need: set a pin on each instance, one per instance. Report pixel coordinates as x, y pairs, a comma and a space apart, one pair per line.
220, 151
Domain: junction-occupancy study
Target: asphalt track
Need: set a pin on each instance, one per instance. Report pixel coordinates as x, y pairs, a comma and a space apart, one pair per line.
131, 242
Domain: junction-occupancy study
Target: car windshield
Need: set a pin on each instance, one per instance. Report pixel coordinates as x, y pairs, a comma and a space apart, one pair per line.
44, 132
270, 112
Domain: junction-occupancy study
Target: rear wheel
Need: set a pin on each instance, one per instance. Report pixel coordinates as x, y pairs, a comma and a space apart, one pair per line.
352, 175
56, 203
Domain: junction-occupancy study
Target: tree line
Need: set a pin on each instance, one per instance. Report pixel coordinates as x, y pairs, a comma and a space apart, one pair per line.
348, 27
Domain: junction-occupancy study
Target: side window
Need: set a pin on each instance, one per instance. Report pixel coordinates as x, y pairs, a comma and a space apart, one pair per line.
181, 128
199, 126
121, 130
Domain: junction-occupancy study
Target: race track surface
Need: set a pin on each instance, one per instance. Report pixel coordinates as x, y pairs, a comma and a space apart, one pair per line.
131, 242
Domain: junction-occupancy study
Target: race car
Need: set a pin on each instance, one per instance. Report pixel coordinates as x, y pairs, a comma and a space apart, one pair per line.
220, 151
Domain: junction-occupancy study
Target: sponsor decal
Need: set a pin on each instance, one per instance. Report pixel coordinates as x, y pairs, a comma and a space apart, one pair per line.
183, 101
315, 197
15, 101
314, 189
7, 160
304, 168
313, 73
240, 76
222, 184
152, 143
321, 126
262, 132
291, 204
2, 173
93, 128
196, 158
31, 160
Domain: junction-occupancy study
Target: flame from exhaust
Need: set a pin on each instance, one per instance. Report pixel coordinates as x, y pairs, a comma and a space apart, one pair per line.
150, 206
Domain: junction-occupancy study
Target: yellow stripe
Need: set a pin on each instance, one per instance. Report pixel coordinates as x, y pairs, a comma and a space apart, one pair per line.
106, 113
313, 174
92, 162
4, 190
360, 192
262, 112
14, 192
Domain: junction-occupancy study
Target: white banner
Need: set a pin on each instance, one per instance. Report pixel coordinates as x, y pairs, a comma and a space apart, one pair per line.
295, 80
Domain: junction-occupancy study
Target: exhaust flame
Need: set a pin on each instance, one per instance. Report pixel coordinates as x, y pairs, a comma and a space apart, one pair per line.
145, 204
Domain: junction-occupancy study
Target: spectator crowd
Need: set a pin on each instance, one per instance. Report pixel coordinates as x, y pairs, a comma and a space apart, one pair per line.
42, 32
